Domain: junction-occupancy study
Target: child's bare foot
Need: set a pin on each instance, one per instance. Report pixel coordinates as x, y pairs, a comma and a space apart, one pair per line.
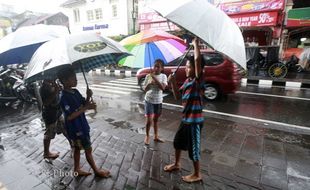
171, 168
147, 140
191, 178
82, 173
51, 155
159, 140
102, 173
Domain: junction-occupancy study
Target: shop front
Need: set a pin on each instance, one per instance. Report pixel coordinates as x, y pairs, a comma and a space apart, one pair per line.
259, 20
297, 31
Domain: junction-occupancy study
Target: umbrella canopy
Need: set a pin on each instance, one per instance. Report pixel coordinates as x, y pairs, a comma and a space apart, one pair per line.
208, 23
19, 46
148, 45
85, 51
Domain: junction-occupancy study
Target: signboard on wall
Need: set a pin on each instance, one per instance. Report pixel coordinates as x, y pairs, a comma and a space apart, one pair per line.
252, 6
298, 17
255, 19
96, 27
150, 17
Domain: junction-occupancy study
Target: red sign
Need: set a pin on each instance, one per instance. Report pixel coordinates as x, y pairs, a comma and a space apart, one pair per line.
152, 20
297, 22
150, 17
158, 26
252, 6
255, 19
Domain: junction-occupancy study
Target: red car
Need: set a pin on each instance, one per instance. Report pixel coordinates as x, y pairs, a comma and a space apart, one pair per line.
221, 75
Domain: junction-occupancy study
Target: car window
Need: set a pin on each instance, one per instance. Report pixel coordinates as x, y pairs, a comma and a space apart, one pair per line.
212, 59
176, 62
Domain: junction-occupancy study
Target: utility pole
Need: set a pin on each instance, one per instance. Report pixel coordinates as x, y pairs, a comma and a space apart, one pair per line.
134, 16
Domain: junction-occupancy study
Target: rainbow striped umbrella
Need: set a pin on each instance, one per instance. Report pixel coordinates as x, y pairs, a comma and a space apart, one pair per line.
149, 45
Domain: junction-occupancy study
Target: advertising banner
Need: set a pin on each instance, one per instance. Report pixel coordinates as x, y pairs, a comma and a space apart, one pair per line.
255, 19
298, 17
252, 6
150, 17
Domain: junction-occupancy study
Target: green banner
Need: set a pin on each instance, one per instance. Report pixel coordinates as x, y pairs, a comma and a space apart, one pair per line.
298, 17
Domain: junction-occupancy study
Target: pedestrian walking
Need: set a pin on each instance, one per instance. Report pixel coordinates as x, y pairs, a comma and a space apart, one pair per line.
188, 135
154, 85
52, 116
74, 105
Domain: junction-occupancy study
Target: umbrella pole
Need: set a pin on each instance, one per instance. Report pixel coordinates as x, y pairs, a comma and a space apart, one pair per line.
84, 77
87, 86
190, 47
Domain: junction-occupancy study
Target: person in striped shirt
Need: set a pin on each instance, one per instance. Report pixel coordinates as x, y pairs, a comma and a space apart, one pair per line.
188, 134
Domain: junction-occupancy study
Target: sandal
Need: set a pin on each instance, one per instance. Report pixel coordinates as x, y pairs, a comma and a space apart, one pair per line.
159, 140
171, 168
190, 179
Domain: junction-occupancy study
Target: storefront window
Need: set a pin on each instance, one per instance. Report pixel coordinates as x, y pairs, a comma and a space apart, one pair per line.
114, 11
90, 15
98, 13
76, 13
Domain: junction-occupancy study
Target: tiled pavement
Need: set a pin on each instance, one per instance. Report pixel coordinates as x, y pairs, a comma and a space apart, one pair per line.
242, 156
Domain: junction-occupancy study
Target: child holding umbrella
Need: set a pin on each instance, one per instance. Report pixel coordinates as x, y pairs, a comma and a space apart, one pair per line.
188, 135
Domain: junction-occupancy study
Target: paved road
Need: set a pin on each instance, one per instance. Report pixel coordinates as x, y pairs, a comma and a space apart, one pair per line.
236, 153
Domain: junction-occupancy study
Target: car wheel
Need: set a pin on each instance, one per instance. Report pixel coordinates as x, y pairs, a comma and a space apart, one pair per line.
211, 92
141, 82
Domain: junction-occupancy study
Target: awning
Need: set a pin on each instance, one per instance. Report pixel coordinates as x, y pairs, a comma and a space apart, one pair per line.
247, 6
298, 17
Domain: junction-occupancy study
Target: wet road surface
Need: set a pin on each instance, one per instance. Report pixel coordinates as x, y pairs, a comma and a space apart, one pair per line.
236, 153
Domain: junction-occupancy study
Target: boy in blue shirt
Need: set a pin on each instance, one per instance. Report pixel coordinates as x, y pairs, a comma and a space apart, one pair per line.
74, 106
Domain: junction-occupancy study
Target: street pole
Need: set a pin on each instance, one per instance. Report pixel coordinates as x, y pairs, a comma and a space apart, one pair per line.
133, 13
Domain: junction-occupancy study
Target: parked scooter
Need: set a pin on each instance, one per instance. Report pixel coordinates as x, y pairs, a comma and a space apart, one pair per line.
13, 88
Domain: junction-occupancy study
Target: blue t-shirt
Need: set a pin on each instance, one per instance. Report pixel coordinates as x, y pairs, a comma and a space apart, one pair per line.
72, 101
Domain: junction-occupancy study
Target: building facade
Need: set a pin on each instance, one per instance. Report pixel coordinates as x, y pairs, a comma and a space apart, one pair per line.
6, 12
108, 17
148, 19
260, 20
296, 33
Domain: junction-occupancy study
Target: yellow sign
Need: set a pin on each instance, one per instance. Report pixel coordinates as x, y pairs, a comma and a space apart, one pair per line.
90, 47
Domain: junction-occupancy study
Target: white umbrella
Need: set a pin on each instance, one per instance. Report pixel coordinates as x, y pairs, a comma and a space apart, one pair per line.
207, 22
19, 46
85, 51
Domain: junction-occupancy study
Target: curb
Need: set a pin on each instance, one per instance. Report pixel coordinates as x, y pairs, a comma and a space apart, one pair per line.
116, 72
274, 83
244, 81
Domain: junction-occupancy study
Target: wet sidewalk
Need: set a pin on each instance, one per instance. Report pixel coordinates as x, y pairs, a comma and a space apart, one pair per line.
234, 156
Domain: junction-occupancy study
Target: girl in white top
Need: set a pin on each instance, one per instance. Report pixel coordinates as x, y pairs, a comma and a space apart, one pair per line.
154, 85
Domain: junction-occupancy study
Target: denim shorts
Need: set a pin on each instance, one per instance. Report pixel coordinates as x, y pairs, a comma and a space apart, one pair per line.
152, 109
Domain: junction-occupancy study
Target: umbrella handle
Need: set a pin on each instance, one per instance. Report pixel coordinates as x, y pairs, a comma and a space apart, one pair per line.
190, 47
84, 76
87, 87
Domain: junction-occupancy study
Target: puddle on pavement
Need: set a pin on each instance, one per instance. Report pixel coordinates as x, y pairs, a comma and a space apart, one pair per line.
35, 126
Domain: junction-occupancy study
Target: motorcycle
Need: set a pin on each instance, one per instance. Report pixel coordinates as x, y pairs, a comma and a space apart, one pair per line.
13, 88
